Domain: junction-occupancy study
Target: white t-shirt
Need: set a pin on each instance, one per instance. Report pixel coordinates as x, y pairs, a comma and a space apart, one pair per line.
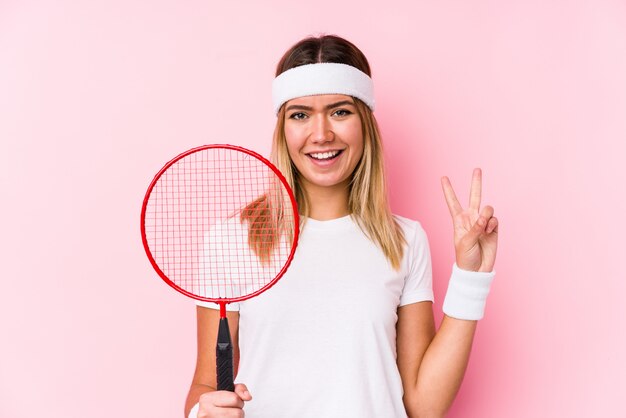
321, 343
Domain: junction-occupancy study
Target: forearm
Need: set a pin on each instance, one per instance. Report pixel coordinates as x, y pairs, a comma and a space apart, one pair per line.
442, 368
193, 397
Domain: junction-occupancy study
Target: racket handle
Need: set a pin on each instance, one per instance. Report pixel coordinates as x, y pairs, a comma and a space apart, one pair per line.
224, 355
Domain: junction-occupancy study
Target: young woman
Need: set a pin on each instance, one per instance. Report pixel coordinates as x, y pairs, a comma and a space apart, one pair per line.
348, 331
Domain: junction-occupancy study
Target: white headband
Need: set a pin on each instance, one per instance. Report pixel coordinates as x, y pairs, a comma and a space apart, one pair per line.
322, 78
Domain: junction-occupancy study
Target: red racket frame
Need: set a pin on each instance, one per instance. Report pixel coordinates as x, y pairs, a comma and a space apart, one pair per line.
221, 301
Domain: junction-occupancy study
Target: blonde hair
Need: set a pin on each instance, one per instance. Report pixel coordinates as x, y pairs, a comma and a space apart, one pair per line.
269, 218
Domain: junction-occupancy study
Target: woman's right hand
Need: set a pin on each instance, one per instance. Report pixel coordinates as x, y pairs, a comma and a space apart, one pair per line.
224, 404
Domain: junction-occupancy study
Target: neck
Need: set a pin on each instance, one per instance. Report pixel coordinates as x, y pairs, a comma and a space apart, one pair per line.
327, 203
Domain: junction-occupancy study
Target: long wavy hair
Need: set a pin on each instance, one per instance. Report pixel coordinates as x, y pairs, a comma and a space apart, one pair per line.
368, 203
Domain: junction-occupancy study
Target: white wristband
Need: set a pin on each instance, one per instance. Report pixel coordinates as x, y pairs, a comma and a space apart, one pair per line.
194, 411
467, 293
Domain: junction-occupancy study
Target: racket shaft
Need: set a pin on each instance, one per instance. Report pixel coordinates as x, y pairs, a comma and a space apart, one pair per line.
224, 355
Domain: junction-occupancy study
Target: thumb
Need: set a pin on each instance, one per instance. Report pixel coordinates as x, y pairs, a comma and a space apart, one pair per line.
471, 236
479, 226
242, 391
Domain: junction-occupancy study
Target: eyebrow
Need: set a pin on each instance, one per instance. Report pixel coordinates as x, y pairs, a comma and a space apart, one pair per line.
327, 107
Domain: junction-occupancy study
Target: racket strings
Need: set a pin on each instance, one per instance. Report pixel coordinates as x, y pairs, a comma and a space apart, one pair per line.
218, 223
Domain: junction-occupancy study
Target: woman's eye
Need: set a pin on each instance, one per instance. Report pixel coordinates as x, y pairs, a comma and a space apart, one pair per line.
342, 112
297, 116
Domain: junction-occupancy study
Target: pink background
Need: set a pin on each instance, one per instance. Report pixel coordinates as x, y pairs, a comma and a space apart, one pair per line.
96, 96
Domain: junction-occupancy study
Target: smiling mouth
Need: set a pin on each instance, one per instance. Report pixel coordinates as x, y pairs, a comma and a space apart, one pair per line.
325, 156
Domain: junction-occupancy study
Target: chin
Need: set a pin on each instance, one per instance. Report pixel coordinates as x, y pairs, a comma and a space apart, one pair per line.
328, 183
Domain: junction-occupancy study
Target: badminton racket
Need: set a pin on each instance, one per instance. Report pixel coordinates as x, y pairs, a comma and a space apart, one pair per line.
219, 223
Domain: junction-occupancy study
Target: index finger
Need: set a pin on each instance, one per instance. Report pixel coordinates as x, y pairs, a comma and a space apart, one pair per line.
453, 203
226, 399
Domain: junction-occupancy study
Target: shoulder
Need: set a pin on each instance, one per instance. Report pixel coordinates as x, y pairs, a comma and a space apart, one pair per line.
411, 228
405, 222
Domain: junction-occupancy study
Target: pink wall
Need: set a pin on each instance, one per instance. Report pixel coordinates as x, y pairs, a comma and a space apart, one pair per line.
95, 96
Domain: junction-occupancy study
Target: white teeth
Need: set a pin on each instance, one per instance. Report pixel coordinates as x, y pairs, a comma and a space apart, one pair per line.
324, 155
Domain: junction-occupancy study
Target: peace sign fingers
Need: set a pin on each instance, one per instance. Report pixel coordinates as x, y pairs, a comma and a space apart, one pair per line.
475, 194
475, 230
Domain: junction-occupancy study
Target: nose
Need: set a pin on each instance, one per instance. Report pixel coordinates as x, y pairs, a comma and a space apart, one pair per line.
322, 130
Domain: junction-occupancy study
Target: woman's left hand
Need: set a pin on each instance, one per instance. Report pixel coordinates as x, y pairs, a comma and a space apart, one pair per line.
475, 230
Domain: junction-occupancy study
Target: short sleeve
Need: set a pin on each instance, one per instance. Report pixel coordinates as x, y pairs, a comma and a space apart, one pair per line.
418, 284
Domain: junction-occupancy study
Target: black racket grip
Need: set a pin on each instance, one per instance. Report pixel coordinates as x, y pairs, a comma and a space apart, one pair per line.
224, 355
